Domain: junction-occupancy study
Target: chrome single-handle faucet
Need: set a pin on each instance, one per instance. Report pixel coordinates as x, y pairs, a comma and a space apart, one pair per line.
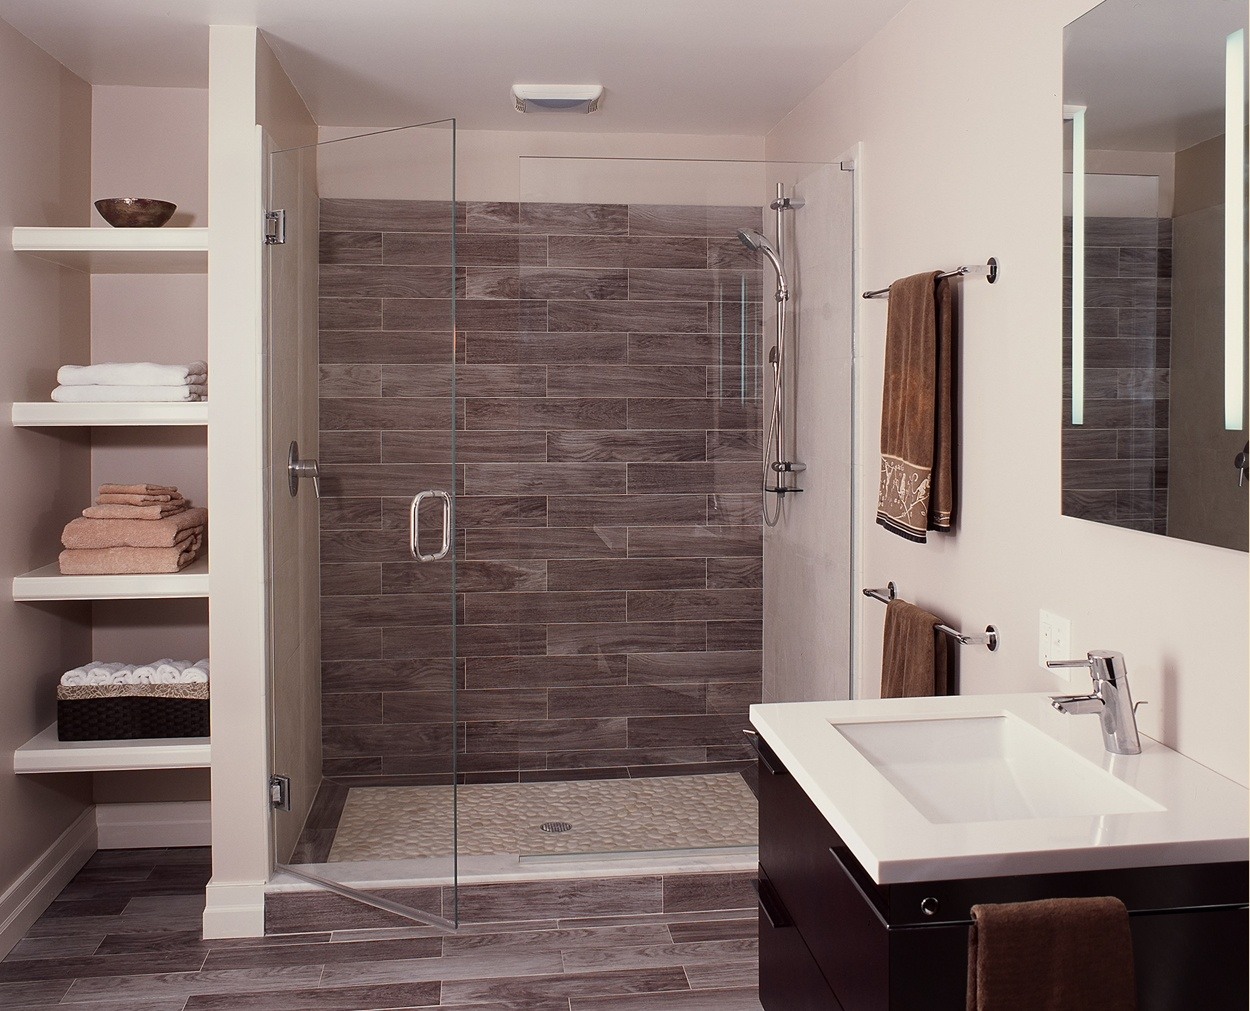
1110, 700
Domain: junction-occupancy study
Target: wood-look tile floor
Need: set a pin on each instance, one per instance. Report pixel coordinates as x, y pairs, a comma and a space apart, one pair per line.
124, 935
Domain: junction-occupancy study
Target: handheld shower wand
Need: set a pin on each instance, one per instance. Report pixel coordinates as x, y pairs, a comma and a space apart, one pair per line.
776, 468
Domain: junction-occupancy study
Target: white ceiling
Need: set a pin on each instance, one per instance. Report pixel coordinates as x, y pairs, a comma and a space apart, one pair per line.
669, 66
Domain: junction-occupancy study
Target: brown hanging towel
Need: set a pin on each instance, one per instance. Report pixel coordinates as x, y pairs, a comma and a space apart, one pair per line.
914, 660
1035, 956
917, 491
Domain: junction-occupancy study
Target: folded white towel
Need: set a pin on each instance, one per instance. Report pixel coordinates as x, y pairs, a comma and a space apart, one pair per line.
131, 374
159, 672
127, 394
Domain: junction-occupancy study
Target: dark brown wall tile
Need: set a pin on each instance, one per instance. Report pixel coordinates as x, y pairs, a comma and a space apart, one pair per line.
570, 283
382, 347
544, 478
350, 313
678, 731
710, 478
731, 573
698, 414
626, 381
352, 247
545, 671
471, 447
598, 416
625, 510
627, 316
542, 347
627, 574
625, 637
350, 280
646, 700
693, 541
350, 381
674, 668
554, 414
574, 219
540, 608
694, 605
627, 251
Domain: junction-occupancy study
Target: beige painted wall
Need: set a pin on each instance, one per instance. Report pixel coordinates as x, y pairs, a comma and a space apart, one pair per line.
490, 165
958, 108
45, 175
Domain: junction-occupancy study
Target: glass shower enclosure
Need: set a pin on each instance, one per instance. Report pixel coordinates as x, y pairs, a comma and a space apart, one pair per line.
362, 575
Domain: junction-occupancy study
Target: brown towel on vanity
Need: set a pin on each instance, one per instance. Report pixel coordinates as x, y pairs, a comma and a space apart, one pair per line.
917, 490
1036, 956
134, 533
914, 660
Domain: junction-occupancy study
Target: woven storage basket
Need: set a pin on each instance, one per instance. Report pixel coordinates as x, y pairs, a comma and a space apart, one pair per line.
131, 712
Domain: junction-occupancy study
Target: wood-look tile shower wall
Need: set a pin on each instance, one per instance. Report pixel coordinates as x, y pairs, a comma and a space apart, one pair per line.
607, 407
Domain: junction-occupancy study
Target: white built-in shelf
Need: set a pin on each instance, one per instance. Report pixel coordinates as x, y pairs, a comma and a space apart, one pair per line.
49, 414
45, 753
119, 250
47, 583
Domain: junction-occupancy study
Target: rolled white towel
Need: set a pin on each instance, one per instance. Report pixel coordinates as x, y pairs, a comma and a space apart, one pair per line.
131, 374
128, 394
202, 664
77, 676
169, 672
140, 676
193, 675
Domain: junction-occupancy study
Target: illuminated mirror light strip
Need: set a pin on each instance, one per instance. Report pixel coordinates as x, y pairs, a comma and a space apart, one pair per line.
1234, 231
1076, 113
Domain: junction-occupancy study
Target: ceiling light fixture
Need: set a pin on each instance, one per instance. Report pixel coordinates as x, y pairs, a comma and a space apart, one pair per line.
584, 98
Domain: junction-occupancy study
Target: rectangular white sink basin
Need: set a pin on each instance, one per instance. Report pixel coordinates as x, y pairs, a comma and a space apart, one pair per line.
988, 768
983, 786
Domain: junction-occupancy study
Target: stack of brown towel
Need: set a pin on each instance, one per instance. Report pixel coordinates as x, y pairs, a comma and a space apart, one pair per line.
133, 529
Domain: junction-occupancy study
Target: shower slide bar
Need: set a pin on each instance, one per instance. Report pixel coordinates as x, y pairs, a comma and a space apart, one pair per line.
988, 638
988, 270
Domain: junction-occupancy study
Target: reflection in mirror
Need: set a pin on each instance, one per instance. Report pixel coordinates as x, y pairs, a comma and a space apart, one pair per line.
1152, 333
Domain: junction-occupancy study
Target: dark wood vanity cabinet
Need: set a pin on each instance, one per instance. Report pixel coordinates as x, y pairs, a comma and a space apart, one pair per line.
831, 938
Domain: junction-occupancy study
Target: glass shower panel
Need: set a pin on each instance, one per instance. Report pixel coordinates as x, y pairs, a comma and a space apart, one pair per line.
362, 419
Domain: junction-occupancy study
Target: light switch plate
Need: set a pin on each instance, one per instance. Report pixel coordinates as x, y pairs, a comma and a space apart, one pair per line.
1054, 642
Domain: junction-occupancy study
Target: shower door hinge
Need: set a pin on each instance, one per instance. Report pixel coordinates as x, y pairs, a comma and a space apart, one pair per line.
280, 792
846, 166
275, 228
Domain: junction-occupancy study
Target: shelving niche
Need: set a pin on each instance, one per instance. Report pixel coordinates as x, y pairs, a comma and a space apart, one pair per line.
112, 251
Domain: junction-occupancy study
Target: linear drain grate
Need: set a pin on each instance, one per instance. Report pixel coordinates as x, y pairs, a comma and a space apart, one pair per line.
555, 827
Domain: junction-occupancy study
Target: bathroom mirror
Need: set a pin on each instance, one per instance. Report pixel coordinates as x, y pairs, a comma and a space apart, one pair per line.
1154, 387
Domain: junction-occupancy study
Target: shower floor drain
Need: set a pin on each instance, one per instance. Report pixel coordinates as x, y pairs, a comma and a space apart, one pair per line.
555, 826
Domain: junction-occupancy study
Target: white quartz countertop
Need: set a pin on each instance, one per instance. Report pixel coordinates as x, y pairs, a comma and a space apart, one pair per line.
1190, 814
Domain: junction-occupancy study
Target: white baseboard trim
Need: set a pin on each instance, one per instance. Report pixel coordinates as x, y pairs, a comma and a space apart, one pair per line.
234, 909
151, 826
25, 900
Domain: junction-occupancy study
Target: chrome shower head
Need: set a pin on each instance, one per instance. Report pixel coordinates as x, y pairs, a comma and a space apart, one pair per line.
755, 242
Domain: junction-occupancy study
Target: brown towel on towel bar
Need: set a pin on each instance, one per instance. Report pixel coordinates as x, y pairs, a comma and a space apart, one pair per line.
914, 660
917, 491
116, 533
127, 561
135, 512
1036, 956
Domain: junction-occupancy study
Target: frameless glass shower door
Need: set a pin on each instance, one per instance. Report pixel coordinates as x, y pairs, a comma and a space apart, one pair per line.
360, 366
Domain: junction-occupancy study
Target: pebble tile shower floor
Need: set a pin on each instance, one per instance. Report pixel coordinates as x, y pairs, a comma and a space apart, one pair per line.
124, 935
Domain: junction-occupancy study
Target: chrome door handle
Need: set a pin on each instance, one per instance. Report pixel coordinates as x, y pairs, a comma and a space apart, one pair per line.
414, 525
297, 468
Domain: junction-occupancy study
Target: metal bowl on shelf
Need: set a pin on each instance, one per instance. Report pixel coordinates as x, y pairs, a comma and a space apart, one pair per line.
135, 212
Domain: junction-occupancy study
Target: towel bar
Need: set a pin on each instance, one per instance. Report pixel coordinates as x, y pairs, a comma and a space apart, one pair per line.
988, 638
989, 271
